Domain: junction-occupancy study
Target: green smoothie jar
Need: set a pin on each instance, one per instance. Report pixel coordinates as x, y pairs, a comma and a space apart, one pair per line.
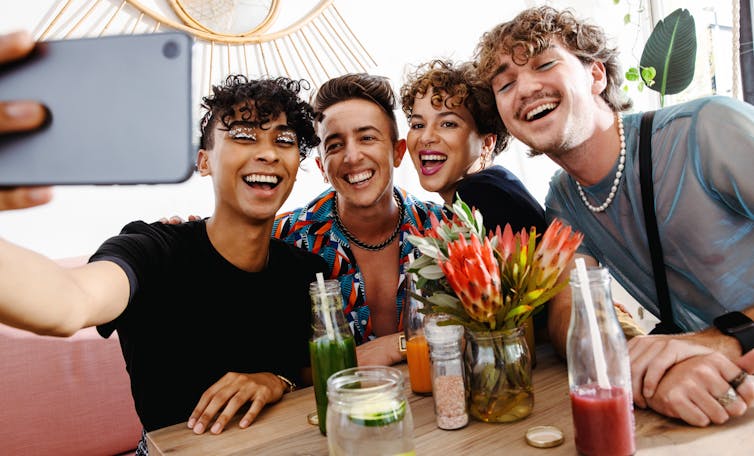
332, 347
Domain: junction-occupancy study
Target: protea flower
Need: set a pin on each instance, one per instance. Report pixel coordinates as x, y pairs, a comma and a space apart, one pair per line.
495, 283
555, 252
474, 275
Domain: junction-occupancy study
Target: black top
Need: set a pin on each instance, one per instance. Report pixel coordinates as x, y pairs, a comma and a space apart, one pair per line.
501, 198
192, 316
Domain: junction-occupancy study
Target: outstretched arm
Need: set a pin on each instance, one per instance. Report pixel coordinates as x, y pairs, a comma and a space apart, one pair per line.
38, 295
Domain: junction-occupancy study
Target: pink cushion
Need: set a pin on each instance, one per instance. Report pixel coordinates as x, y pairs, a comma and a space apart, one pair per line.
64, 396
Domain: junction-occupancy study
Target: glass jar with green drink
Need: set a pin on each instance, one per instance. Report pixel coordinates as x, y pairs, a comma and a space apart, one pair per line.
332, 347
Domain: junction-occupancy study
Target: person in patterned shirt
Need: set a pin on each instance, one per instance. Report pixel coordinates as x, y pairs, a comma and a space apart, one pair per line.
359, 226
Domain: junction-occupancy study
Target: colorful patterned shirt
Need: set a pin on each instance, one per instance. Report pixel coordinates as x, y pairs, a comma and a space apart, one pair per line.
312, 228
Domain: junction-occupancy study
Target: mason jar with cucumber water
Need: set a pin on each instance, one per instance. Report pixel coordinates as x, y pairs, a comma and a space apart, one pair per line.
368, 413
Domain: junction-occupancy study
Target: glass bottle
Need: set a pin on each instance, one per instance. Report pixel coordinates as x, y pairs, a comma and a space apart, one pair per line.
332, 346
368, 413
417, 350
448, 381
599, 371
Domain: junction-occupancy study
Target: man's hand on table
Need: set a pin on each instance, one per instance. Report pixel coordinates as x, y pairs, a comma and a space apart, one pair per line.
231, 393
382, 351
691, 390
652, 357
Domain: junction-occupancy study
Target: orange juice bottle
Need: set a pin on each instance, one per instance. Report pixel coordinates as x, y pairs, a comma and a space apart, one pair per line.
417, 350
419, 373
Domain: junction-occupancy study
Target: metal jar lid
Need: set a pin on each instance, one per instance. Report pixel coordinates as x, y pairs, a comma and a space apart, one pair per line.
544, 436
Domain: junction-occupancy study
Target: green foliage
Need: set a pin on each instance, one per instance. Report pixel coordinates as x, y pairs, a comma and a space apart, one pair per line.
671, 51
668, 57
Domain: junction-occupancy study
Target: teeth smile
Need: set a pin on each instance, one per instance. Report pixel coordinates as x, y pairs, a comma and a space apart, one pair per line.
361, 177
540, 109
261, 179
433, 157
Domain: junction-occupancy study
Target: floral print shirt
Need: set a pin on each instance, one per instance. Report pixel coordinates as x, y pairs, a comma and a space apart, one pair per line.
312, 228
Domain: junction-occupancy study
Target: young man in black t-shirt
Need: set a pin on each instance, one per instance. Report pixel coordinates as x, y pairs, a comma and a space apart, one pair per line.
194, 304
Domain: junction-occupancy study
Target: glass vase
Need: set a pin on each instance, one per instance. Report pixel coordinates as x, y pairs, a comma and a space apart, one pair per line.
498, 371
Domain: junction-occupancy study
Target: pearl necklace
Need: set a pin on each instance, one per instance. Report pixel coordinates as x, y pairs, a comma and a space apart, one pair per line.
618, 173
373, 247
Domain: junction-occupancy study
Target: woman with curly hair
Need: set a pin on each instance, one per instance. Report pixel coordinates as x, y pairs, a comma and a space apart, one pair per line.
454, 136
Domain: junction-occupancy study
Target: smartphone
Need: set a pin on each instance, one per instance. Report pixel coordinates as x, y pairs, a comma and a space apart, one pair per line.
120, 112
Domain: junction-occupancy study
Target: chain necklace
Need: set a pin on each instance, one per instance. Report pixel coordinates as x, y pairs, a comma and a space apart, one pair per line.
373, 247
618, 173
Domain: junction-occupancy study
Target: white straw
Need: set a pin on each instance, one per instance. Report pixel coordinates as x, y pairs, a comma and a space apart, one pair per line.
325, 306
599, 354
409, 284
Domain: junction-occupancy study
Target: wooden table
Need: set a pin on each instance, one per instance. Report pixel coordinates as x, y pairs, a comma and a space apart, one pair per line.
282, 429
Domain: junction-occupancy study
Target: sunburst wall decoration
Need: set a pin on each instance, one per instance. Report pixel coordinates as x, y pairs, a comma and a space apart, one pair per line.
253, 37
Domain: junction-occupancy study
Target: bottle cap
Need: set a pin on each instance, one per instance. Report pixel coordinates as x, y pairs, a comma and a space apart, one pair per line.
544, 436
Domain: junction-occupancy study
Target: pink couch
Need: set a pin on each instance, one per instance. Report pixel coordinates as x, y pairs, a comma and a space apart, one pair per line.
64, 396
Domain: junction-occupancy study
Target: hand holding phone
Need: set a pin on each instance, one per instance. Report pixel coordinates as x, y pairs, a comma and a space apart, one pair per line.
20, 116
119, 111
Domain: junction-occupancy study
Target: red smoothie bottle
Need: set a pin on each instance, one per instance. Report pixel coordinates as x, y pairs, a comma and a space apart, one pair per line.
603, 421
599, 372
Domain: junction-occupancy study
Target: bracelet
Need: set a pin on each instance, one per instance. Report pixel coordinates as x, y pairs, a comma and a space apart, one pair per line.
289, 385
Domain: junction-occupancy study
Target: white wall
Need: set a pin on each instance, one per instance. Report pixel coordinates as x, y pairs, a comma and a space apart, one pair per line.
396, 33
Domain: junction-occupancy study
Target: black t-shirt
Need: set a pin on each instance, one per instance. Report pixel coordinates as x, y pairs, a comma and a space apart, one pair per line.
501, 198
192, 316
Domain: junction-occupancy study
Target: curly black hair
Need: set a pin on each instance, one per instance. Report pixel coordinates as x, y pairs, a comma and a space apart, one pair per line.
259, 101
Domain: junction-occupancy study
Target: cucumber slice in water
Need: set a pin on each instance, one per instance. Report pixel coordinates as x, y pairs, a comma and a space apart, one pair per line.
378, 413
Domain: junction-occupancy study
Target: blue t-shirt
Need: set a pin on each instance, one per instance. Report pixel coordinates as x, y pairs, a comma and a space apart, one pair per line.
703, 175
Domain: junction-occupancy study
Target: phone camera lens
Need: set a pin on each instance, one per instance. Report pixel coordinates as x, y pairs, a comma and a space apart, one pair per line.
170, 50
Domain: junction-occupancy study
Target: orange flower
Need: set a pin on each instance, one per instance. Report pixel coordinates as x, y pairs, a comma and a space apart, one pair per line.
473, 274
497, 283
555, 252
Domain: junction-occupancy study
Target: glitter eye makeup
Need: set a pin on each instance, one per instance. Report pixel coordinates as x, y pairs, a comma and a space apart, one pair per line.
242, 132
287, 136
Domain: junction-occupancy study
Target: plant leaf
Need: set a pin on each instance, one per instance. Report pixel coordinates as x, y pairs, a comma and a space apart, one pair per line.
671, 50
632, 74
432, 272
444, 300
429, 250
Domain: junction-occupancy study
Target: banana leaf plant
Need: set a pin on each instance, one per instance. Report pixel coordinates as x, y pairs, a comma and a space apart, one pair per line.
671, 51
